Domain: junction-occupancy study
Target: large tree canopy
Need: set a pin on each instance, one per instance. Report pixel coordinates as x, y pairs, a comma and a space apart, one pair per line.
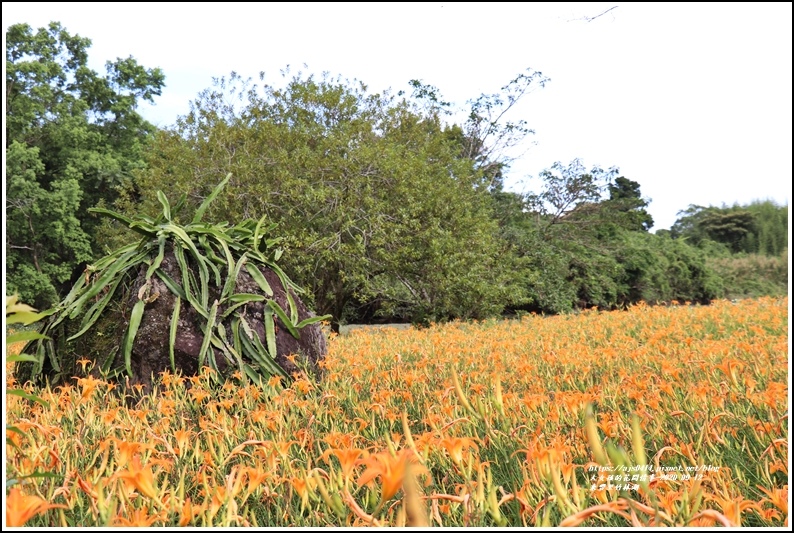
382, 210
760, 227
72, 137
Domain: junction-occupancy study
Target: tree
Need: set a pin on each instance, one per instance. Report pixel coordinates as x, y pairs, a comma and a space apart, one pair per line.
381, 214
575, 249
72, 137
760, 227
625, 198
570, 192
486, 137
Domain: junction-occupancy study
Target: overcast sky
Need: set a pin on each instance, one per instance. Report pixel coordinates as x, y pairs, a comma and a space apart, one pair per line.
693, 101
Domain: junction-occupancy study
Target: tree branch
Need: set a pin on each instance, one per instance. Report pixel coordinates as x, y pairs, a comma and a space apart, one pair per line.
590, 19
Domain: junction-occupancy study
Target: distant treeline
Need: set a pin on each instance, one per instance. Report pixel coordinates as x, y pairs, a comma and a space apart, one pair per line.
389, 209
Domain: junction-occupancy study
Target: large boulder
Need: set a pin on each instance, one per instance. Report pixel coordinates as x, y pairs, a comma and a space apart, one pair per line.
150, 352
120, 314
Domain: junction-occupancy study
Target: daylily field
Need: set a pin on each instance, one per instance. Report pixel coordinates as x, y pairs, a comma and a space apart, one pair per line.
668, 415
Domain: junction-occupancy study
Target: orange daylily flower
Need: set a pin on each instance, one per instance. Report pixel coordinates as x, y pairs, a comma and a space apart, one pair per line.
140, 478
182, 440
88, 385
348, 459
83, 362
21, 507
392, 470
256, 477
88, 488
126, 450
189, 511
777, 497
733, 508
139, 518
455, 447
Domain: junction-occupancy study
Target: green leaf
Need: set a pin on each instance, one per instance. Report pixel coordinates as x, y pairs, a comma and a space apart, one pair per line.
252, 347
166, 206
21, 358
78, 286
259, 234
172, 285
112, 214
205, 345
208, 200
172, 331
240, 300
230, 350
24, 336
31, 397
123, 263
17, 431
95, 311
135, 321
23, 317
49, 349
159, 259
312, 320
212, 256
186, 282
231, 281
146, 229
259, 278
185, 238
201, 262
245, 297
270, 332
284, 318
108, 361
179, 204
253, 375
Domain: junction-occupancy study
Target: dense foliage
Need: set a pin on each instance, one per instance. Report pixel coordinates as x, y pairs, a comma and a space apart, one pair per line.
760, 227
72, 136
746, 245
381, 212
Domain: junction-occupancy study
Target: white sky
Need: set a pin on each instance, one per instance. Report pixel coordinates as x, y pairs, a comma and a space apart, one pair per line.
693, 101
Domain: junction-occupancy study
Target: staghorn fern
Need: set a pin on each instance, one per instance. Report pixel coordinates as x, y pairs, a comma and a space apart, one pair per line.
219, 253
